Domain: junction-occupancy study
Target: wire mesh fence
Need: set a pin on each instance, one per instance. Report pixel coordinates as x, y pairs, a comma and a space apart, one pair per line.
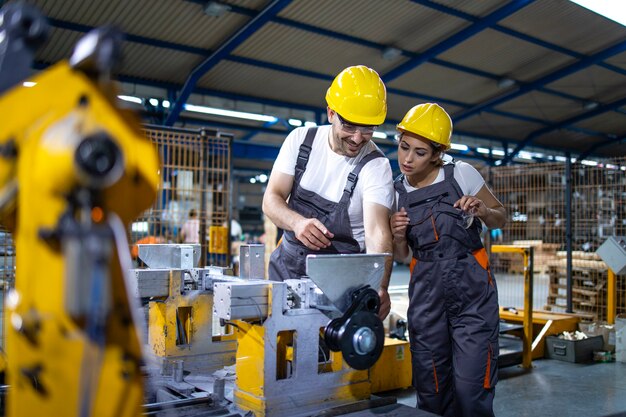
194, 193
536, 198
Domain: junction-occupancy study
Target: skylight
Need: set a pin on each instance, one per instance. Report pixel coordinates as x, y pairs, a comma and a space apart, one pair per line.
611, 9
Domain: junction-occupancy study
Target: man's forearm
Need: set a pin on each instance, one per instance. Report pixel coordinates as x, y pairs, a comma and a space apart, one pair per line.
279, 212
382, 244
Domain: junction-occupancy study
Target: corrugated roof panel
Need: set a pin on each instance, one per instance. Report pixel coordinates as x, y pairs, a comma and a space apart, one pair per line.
566, 24
505, 55
496, 126
179, 22
249, 4
309, 51
473, 7
398, 106
173, 66
264, 83
542, 106
611, 123
593, 83
610, 151
399, 23
564, 139
437, 81
59, 46
618, 60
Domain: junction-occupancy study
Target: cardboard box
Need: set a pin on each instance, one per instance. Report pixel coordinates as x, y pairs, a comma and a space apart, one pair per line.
603, 329
573, 350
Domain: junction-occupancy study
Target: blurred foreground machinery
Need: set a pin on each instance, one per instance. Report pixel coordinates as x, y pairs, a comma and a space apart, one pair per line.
74, 171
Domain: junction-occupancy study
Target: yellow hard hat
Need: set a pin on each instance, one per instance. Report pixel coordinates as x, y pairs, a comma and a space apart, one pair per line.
358, 95
430, 121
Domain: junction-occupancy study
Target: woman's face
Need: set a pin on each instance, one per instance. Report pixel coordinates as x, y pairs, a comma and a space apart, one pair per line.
416, 156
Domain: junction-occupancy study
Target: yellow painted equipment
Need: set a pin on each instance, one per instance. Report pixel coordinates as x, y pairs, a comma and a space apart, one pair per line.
393, 370
56, 367
218, 240
181, 319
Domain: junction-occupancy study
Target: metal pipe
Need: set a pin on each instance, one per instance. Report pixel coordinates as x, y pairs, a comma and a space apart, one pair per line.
568, 229
611, 295
168, 405
529, 263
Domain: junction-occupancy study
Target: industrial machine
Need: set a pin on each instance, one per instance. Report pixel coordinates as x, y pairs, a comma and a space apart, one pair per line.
290, 336
74, 171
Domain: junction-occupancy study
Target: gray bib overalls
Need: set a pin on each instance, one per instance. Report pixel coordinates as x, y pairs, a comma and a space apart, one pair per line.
453, 304
288, 261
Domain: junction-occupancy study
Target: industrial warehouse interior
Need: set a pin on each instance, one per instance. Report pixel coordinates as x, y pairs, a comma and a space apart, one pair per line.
139, 236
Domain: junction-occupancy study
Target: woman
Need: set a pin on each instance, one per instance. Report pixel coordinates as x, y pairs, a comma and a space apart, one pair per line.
453, 303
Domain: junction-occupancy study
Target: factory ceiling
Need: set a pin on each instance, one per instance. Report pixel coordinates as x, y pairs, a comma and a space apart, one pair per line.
515, 75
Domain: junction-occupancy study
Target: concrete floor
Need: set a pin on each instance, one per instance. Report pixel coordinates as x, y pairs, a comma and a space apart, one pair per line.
555, 388
551, 387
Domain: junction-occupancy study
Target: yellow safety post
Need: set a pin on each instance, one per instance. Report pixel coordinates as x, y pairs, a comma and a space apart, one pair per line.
527, 253
611, 298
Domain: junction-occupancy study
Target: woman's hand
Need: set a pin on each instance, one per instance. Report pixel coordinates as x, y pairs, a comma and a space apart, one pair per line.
472, 205
399, 222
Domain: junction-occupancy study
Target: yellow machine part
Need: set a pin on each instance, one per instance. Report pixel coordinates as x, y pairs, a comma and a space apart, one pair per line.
50, 359
218, 240
250, 370
393, 368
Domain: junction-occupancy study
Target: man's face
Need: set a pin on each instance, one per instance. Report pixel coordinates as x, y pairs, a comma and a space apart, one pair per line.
346, 138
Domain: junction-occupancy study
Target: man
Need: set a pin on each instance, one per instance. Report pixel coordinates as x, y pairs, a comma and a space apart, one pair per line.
331, 188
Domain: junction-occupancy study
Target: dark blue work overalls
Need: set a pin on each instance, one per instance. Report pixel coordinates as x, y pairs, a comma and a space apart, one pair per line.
453, 304
288, 261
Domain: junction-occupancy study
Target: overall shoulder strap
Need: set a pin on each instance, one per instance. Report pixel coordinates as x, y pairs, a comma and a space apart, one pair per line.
304, 152
398, 184
353, 177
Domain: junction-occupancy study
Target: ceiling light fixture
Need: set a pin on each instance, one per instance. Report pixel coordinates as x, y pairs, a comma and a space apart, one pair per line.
216, 9
506, 82
230, 113
459, 147
390, 53
590, 105
131, 99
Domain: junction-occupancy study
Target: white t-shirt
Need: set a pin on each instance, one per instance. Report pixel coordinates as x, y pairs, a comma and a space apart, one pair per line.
191, 230
327, 172
467, 176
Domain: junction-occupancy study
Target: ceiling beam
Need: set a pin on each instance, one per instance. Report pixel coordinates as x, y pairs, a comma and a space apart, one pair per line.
222, 52
457, 38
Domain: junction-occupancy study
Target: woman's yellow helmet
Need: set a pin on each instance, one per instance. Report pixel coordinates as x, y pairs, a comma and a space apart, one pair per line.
429, 121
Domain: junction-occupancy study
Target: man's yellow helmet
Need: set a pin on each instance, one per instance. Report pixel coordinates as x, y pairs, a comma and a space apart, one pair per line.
359, 96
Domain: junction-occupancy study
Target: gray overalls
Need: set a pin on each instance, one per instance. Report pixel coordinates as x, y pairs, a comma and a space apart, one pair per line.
453, 304
288, 261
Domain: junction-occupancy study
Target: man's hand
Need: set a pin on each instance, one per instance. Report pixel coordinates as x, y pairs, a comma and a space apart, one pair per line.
385, 303
312, 233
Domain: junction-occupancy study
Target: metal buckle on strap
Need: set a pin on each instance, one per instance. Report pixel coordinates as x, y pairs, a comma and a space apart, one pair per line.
305, 151
351, 184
